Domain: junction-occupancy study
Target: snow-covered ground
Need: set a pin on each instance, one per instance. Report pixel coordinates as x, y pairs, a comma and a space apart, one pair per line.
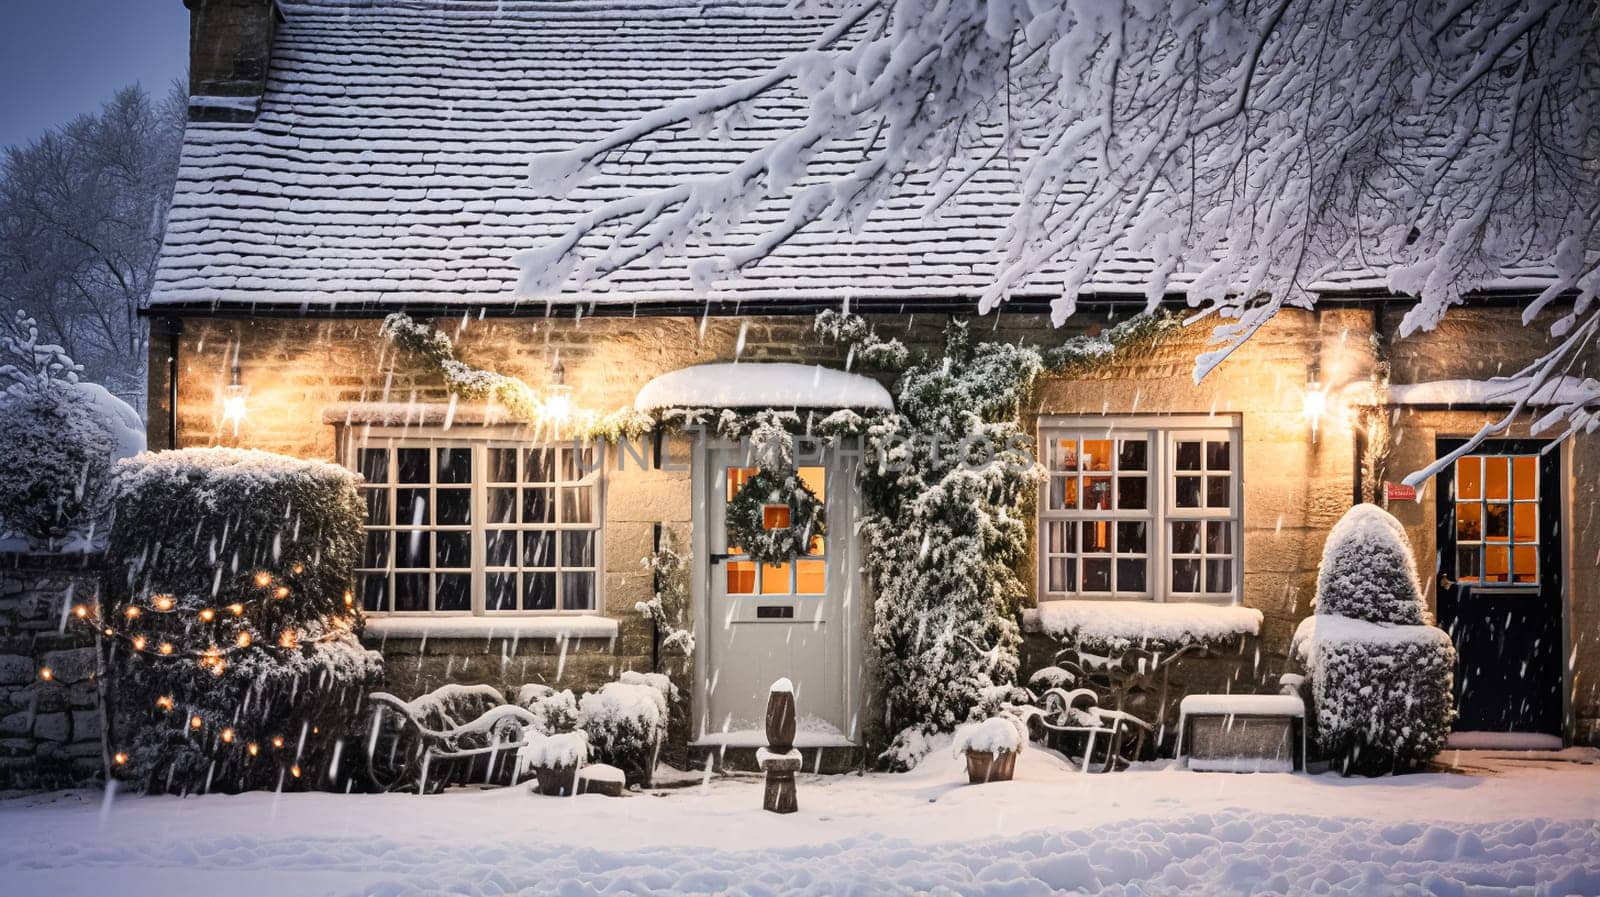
1525, 826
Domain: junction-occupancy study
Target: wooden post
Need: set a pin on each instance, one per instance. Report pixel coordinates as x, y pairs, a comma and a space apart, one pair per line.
779, 759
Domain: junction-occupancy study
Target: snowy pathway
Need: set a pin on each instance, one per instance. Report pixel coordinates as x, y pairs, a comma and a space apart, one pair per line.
1508, 827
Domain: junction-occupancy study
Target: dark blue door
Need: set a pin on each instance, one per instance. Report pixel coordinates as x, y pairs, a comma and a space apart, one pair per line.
1499, 582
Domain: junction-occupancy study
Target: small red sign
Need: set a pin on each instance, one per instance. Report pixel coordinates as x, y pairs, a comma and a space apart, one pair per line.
1399, 492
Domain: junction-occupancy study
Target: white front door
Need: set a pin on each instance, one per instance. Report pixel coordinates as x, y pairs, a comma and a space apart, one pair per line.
762, 622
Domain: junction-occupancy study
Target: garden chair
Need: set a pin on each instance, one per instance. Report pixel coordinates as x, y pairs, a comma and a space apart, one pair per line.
454, 735
1099, 739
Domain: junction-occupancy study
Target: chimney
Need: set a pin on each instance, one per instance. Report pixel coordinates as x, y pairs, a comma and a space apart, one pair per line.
230, 48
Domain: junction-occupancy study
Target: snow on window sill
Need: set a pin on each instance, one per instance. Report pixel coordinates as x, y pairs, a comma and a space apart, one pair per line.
550, 627
1118, 625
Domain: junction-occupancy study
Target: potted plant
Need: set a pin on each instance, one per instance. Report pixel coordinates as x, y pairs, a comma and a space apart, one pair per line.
554, 760
991, 747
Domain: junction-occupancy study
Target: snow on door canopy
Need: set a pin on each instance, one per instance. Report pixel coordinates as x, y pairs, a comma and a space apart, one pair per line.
761, 385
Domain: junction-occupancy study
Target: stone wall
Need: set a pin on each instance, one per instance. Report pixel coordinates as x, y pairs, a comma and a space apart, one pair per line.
50, 721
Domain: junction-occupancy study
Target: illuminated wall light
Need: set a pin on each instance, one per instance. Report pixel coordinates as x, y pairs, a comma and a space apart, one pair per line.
234, 398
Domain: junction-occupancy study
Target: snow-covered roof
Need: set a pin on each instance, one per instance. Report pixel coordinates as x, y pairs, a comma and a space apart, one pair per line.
1494, 391
761, 385
389, 162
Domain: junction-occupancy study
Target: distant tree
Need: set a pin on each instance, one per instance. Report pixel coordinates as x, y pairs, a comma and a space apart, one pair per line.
1248, 148
82, 212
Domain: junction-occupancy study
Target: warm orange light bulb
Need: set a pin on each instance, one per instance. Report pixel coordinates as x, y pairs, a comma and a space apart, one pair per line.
119, 758
196, 722
263, 579
138, 643
46, 673
80, 611
253, 748
298, 569
294, 771
163, 602
349, 599
243, 640
164, 648
165, 702
287, 640
236, 609
227, 736
207, 615
132, 612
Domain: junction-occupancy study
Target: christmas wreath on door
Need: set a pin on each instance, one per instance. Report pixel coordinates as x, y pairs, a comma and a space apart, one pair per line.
774, 516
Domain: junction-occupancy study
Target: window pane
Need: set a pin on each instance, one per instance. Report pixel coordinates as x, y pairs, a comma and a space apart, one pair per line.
1497, 523
1469, 477
1219, 537
1525, 520
737, 477
410, 591
1064, 454
1096, 537
1219, 576
1188, 492
1526, 561
1467, 560
500, 548
577, 505
500, 591
811, 577
538, 591
815, 479
1131, 537
411, 507
1469, 521
377, 506
455, 592
374, 592
453, 550
1185, 575
577, 591
1218, 492
376, 554
455, 507
775, 579
1131, 574
1218, 456
412, 548
1525, 476
741, 577
1097, 574
539, 549
1186, 537
1097, 493
455, 465
413, 464
575, 465
1133, 454
1188, 456
539, 465
1060, 537
502, 506
502, 465
538, 506
1060, 575
1063, 493
1497, 564
374, 465
1097, 454
1496, 478
774, 516
577, 549
1133, 493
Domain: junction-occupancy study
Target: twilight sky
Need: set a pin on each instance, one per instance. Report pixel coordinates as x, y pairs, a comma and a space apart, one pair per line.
61, 58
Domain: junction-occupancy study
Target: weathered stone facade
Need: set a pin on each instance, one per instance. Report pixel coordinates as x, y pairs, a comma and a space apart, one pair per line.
1296, 480
50, 720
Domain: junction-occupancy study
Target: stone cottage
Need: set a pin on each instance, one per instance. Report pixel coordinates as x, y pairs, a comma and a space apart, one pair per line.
346, 161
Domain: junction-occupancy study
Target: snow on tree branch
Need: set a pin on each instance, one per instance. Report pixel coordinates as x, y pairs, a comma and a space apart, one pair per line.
1250, 150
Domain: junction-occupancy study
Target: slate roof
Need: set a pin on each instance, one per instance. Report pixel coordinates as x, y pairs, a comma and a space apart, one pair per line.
387, 165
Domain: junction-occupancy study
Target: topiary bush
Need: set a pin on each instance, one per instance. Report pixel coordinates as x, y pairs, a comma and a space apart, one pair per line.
1368, 571
1380, 677
233, 632
625, 722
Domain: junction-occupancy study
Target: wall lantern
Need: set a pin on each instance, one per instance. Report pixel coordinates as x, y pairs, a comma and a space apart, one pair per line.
233, 397
558, 398
1314, 405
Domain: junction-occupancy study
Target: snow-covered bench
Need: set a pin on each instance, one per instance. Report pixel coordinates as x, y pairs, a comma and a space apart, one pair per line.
1242, 733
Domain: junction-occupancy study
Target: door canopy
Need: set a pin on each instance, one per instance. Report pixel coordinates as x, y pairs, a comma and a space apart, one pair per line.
762, 385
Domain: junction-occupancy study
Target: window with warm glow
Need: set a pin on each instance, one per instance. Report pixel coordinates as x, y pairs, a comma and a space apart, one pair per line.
478, 527
805, 575
1139, 512
1497, 519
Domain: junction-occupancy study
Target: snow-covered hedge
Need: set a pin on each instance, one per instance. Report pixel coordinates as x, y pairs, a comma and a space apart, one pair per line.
236, 662
1368, 571
625, 722
1380, 677
554, 711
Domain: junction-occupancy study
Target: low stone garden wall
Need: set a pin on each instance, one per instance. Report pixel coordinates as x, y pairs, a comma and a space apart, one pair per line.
50, 720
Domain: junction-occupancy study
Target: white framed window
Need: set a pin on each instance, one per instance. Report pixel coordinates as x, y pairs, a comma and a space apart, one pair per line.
478, 526
1140, 509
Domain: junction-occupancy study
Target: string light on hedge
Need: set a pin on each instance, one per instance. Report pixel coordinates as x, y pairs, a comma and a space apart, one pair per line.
252, 749
164, 649
80, 611
132, 612
163, 603
138, 643
277, 742
195, 722
243, 639
227, 735
207, 615
119, 758
236, 609
281, 593
46, 673
165, 703
288, 639
263, 578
